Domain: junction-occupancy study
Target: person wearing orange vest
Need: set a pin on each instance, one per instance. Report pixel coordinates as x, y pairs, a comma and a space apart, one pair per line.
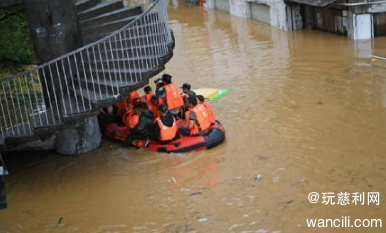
170, 94
153, 106
197, 120
208, 108
186, 92
165, 126
148, 98
132, 96
121, 108
144, 128
130, 119
148, 93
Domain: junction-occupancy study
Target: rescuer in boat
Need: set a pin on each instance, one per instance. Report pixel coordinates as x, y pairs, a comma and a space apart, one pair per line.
196, 119
144, 128
122, 107
201, 100
148, 94
186, 92
153, 106
165, 126
169, 93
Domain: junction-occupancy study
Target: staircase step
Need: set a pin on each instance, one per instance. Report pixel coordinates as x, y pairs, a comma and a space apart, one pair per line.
141, 30
97, 32
73, 104
108, 27
86, 4
111, 16
99, 9
138, 41
129, 63
113, 25
93, 95
148, 50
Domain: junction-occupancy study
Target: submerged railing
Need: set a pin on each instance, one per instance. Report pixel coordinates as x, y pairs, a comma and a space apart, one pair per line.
69, 85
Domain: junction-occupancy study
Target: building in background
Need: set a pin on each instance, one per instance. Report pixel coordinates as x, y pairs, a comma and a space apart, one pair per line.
356, 19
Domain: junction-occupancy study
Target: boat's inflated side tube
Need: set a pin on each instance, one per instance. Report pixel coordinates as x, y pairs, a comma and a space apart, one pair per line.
216, 137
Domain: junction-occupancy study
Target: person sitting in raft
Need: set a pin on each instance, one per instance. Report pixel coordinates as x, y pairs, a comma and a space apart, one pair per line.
197, 121
153, 106
120, 108
132, 96
131, 119
186, 92
201, 100
148, 93
144, 128
165, 127
170, 94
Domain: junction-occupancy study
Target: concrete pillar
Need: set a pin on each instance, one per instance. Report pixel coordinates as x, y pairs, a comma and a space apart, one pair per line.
363, 48
294, 17
359, 24
210, 4
240, 8
363, 28
54, 27
54, 32
278, 15
82, 137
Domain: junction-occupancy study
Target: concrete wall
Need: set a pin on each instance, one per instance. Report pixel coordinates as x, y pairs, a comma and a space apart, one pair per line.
242, 8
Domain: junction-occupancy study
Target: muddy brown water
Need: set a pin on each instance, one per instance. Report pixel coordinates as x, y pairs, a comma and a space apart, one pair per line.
307, 111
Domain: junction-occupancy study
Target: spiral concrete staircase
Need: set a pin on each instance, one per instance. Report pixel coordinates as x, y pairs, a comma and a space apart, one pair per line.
124, 47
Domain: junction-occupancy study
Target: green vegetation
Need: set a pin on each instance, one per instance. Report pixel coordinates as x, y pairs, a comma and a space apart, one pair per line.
16, 51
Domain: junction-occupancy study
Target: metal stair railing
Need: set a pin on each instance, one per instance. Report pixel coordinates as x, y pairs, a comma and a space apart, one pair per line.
66, 86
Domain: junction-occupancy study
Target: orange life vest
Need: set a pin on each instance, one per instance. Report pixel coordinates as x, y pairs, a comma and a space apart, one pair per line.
173, 98
201, 117
122, 107
167, 133
150, 105
132, 96
154, 109
147, 97
210, 112
130, 119
122, 104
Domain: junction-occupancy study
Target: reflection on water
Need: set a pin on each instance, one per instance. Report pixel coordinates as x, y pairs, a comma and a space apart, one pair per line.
306, 111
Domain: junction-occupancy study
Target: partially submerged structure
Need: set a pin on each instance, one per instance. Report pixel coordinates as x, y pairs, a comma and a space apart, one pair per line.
91, 54
356, 19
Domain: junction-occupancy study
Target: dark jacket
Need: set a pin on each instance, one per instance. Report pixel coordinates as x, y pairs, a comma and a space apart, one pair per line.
186, 102
145, 124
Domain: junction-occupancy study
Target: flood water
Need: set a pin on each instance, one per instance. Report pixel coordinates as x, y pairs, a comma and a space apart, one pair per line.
306, 111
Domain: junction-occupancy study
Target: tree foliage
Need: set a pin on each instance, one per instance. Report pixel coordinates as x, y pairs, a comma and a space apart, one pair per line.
15, 41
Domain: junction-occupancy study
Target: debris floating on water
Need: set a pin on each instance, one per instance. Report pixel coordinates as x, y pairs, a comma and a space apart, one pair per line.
59, 223
196, 193
257, 178
174, 180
